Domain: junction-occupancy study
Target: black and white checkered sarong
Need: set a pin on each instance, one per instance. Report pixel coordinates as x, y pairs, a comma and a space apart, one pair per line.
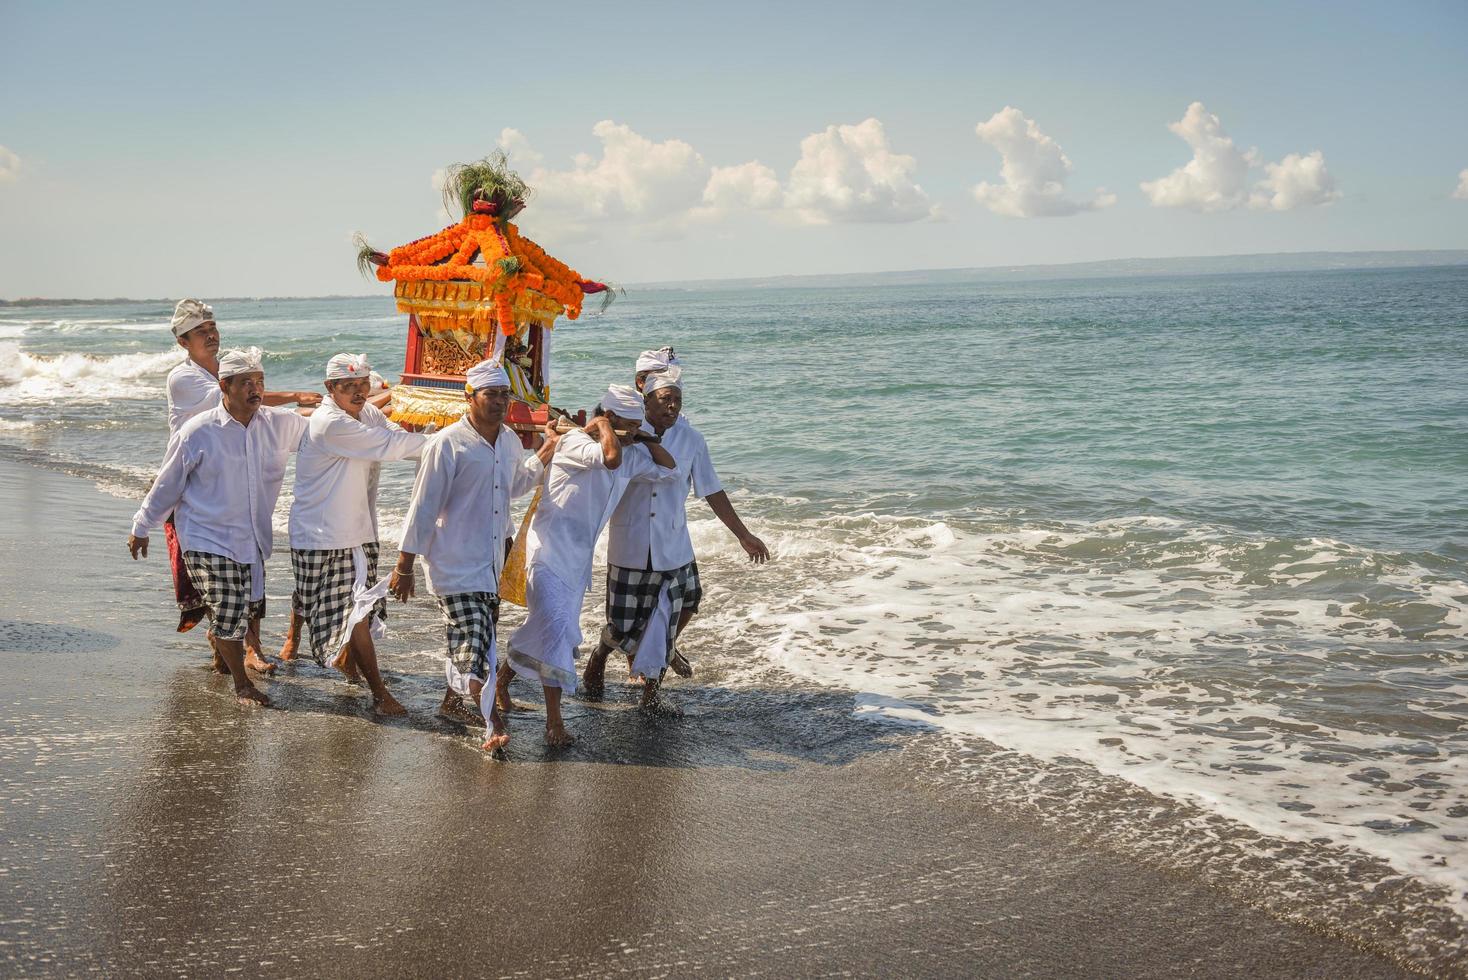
468, 620
632, 595
323, 596
225, 587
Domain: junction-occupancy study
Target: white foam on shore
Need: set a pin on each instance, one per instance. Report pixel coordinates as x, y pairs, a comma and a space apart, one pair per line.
1251, 677
11, 329
42, 379
158, 329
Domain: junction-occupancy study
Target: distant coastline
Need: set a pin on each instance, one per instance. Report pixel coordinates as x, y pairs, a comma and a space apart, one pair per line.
103, 301
1203, 265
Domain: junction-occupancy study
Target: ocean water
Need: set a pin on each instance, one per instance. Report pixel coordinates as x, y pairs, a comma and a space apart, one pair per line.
1184, 558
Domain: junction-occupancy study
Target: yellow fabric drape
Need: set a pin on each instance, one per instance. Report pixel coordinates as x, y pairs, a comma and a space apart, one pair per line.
514, 575
412, 405
469, 307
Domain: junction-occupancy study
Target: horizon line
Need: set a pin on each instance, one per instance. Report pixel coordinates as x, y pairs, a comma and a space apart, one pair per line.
1461, 253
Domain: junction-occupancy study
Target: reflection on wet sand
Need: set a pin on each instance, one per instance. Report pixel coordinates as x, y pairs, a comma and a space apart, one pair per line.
151, 825
322, 825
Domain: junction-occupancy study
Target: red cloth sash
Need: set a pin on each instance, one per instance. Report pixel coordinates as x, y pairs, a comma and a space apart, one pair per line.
190, 603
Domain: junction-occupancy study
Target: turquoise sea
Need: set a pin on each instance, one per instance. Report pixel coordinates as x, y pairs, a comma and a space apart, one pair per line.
1183, 557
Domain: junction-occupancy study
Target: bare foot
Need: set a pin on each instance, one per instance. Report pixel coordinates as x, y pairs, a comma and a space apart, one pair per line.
292, 636
504, 703
254, 657
454, 708
499, 733
557, 737
593, 679
343, 663
257, 663
655, 702
252, 695
680, 666
634, 679
388, 706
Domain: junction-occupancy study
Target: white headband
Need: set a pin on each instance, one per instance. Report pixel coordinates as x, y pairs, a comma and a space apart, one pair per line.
190, 313
671, 378
486, 374
344, 366
240, 362
624, 401
656, 360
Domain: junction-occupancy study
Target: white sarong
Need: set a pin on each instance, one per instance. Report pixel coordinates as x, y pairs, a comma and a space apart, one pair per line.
364, 599
546, 644
651, 656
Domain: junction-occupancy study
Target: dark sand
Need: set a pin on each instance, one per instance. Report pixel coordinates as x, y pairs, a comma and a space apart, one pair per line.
150, 825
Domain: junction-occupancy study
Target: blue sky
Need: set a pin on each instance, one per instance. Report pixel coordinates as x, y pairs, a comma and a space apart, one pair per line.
231, 150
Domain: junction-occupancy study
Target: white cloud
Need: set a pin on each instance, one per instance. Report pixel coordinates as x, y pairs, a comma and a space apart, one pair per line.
9, 165
1217, 177
437, 180
657, 189
1034, 171
1462, 192
749, 185
850, 174
656, 185
518, 148
1295, 182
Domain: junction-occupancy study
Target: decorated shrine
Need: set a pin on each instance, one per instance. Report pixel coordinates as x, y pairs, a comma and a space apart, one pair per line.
476, 289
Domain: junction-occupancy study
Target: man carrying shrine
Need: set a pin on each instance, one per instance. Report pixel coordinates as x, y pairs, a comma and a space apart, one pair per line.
220, 480
193, 387
590, 471
333, 525
458, 520
653, 586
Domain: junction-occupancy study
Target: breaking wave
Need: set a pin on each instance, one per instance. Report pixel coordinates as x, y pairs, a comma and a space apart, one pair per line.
40, 379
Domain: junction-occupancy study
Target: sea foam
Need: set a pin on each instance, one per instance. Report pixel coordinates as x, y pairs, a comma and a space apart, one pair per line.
39, 379
1189, 661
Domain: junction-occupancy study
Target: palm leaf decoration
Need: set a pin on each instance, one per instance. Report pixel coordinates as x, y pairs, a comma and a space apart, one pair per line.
490, 179
365, 253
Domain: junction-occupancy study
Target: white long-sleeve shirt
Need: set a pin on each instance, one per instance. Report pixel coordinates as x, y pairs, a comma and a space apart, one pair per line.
459, 517
191, 391
335, 495
651, 518
580, 495
224, 479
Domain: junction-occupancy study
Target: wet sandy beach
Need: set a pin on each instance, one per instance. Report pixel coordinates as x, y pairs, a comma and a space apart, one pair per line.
151, 825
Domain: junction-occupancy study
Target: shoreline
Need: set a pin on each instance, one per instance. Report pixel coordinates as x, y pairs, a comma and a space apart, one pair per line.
157, 825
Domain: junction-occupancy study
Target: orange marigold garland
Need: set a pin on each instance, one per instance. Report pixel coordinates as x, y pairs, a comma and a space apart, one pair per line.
479, 273
450, 254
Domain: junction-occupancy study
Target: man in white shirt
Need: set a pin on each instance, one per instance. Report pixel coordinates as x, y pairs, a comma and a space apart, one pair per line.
220, 480
333, 525
587, 476
193, 387
653, 587
652, 362
458, 521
